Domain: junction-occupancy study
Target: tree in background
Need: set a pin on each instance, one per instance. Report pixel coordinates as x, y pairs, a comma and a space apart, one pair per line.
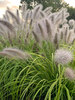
56, 4
71, 11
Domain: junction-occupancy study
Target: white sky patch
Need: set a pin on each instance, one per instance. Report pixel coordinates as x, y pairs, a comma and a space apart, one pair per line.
4, 3
2, 11
8, 3
70, 2
14, 2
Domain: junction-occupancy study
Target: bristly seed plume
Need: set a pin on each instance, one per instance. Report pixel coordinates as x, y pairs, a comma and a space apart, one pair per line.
15, 53
63, 56
69, 73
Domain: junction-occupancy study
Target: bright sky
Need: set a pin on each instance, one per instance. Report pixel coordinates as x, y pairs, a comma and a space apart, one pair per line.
15, 4
71, 2
10, 3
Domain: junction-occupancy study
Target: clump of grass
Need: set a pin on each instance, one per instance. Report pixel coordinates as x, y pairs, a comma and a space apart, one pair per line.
36, 75
37, 78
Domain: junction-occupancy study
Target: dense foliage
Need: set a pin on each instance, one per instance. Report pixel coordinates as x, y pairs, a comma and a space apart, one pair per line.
37, 55
71, 10
56, 4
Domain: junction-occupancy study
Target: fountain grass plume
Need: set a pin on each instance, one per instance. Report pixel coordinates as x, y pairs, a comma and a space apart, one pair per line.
15, 53
71, 23
63, 56
49, 28
23, 9
8, 25
48, 10
43, 15
41, 30
36, 37
69, 73
13, 16
36, 11
6, 17
44, 30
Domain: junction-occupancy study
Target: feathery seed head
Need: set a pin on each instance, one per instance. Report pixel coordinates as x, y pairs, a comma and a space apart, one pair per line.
69, 73
71, 22
15, 53
63, 56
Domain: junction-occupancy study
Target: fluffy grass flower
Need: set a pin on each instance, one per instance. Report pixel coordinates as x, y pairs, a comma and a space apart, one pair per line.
63, 56
69, 73
14, 53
